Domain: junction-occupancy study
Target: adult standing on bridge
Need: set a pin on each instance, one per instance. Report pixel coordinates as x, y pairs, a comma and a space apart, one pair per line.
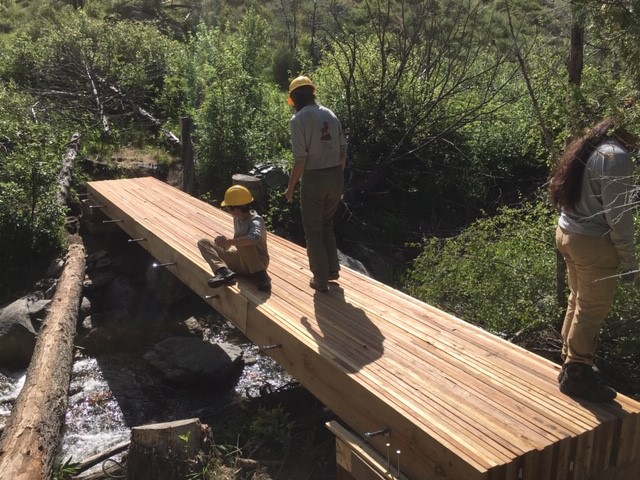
591, 187
249, 255
320, 155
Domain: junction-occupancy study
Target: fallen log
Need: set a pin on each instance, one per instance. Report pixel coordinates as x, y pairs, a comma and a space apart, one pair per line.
30, 441
168, 134
106, 128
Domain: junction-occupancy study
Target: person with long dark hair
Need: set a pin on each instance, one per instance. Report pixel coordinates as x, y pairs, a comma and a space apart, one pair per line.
320, 154
591, 187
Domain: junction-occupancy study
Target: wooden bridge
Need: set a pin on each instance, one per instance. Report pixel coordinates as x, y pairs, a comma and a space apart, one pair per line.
458, 402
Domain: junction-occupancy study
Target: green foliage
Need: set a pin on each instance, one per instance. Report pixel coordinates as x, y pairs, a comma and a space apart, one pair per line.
241, 120
87, 70
428, 111
271, 427
499, 273
66, 470
616, 26
283, 216
31, 221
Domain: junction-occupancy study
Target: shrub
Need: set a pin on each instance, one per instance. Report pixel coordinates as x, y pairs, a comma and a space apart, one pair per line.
499, 273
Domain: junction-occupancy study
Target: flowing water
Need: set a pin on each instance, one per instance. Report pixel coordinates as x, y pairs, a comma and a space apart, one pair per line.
112, 393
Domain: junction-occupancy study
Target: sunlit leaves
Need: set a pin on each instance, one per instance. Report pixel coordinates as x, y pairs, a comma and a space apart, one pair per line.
499, 273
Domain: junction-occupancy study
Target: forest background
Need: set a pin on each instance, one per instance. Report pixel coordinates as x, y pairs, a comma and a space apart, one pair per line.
455, 111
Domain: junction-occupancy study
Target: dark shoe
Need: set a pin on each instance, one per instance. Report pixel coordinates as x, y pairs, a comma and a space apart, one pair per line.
317, 287
334, 276
223, 276
262, 280
580, 380
594, 369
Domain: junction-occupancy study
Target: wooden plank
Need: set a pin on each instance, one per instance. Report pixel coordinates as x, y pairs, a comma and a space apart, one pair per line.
460, 401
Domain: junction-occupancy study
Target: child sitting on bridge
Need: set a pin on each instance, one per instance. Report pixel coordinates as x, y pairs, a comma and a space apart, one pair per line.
250, 255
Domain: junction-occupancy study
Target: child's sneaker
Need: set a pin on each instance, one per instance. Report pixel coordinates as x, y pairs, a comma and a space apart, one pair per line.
223, 276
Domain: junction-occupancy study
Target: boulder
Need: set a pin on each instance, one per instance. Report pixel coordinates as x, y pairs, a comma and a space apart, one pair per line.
352, 263
195, 362
164, 286
17, 335
121, 318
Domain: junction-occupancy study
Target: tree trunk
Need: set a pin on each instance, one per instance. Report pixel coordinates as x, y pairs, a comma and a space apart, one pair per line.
160, 451
30, 440
576, 55
66, 171
186, 154
255, 185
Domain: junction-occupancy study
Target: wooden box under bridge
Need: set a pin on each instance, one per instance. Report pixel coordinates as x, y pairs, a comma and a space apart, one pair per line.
459, 403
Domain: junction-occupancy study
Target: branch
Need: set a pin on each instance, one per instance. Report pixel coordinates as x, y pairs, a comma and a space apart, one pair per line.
103, 118
173, 139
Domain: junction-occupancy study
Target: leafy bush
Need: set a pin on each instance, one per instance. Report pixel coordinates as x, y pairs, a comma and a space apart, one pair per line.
31, 221
499, 273
240, 120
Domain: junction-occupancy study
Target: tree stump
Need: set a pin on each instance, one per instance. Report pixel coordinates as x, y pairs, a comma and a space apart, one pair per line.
255, 186
160, 451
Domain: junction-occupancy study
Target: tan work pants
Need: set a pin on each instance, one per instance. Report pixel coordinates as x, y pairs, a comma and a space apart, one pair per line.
243, 260
589, 261
320, 195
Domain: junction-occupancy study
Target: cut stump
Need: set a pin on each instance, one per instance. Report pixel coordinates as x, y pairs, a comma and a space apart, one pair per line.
160, 451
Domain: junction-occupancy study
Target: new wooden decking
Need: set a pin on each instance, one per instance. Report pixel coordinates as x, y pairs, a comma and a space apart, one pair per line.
460, 403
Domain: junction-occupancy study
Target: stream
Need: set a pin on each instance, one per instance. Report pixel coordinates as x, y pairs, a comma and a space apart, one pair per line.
110, 394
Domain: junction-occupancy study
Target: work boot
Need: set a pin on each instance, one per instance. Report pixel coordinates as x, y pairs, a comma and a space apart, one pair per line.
318, 287
223, 276
595, 370
580, 380
262, 280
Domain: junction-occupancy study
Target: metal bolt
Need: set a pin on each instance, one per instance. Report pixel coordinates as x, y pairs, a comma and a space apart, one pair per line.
156, 265
382, 431
112, 221
137, 240
388, 457
398, 452
97, 206
209, 297
270, 347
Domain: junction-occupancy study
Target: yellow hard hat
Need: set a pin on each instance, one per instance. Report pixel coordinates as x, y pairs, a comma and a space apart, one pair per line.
236, 196
298, 82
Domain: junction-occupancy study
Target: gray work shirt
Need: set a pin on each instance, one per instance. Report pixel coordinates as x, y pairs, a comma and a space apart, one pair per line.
254, 228
604, 208
317, 139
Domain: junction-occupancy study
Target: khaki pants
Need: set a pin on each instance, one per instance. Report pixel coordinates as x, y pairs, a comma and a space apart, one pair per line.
589, 260
320, 195
243, 260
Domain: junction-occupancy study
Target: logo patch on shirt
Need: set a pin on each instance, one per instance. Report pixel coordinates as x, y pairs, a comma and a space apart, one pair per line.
325, 132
